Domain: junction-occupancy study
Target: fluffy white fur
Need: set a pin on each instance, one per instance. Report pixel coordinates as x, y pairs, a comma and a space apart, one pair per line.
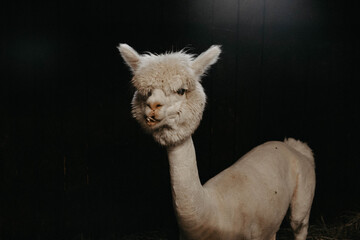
157, 78
245, 201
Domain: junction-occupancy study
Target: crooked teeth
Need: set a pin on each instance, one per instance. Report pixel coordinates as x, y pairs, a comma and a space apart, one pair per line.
150, 119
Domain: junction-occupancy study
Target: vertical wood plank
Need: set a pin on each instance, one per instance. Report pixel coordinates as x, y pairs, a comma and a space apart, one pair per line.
249, 74
222, 99
284, 82
75, 74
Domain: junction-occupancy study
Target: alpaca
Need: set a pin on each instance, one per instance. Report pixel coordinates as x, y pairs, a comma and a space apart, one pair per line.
249, 199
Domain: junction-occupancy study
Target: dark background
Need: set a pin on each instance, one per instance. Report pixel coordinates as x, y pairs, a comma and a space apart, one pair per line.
75, 165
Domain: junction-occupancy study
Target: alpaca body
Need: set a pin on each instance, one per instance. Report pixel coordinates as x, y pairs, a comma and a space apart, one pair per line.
249, 199
239, 202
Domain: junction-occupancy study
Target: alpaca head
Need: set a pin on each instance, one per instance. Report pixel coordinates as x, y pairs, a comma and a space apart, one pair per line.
169, 100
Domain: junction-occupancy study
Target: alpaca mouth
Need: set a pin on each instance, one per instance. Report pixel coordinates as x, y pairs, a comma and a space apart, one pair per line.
151, 121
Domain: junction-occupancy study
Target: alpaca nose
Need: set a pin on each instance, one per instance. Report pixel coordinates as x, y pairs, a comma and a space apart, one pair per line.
154, 105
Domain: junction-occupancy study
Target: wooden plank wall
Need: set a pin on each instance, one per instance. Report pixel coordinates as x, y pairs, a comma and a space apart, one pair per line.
75, 165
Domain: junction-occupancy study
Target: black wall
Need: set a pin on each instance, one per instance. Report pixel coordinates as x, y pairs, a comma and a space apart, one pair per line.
75, 165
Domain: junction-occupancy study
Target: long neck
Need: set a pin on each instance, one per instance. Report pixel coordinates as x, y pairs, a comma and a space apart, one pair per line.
189, 196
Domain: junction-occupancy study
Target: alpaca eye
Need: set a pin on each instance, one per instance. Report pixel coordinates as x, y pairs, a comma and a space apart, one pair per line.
181, 91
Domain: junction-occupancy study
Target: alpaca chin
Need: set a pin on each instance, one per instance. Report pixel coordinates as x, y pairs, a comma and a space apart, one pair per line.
168, 136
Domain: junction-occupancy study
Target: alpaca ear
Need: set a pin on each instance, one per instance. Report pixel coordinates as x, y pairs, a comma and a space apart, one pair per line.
205, 60
130, 56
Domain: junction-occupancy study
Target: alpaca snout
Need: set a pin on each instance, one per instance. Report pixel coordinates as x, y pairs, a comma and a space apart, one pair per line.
154, 105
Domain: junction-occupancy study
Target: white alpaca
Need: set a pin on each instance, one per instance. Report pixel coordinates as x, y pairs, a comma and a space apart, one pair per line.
245, 201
